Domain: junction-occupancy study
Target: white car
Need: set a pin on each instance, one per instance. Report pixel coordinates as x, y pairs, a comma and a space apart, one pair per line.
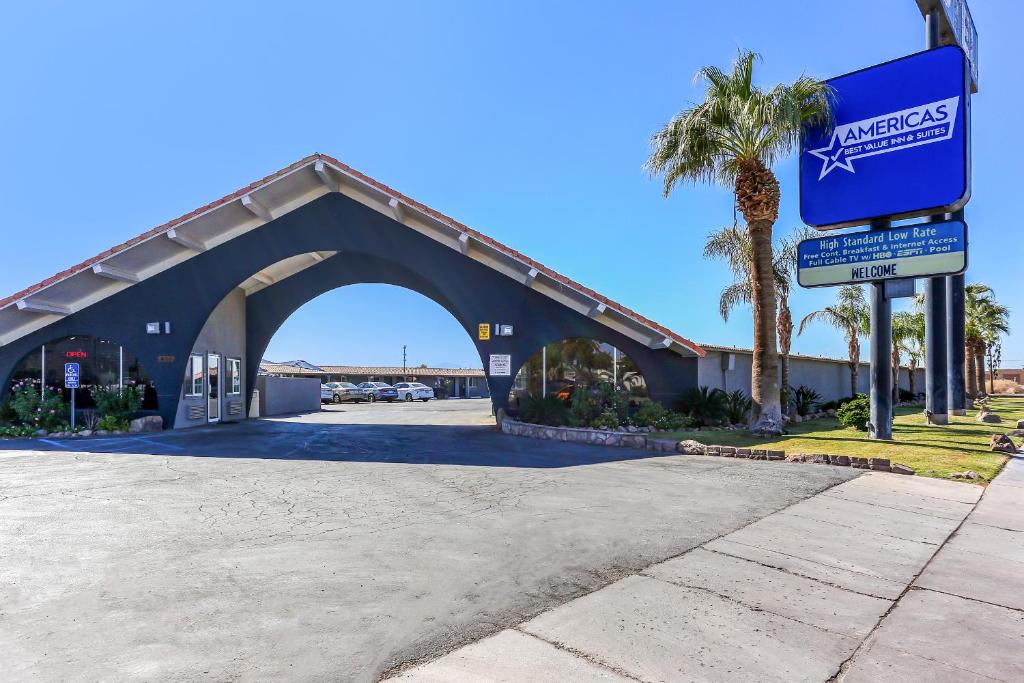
414, 391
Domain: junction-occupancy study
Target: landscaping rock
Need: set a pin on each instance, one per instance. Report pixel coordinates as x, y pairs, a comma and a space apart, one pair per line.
840, 460
881, 462
898, 468
41, 432
801, 457
712, 450
85, 432
1020, 424
991, 418
1001, 443
776, 455
830, 412
1016, 432
728, 452
102, 432
969, 474
859, 463
797, 419
150, 423
690, 447
742, 452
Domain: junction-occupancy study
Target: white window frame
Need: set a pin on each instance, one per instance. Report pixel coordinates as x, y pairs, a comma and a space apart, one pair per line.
190, 385
234, 368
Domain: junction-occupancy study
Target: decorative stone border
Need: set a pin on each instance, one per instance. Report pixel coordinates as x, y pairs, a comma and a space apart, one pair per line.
603, 437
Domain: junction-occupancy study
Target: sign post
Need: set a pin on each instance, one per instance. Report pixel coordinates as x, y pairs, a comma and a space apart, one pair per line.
899, 149
71, 375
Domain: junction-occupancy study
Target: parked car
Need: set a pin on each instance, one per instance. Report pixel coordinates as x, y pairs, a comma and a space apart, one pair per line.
414, 391
341, 392
379, 391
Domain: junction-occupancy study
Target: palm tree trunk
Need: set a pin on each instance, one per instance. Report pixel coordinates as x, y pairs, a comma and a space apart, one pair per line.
991, 372
853, 347
912, 379
972, 377
765, 374
895, 374
785, 330
979, 365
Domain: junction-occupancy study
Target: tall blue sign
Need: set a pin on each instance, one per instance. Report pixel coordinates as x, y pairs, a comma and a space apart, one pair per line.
899, 148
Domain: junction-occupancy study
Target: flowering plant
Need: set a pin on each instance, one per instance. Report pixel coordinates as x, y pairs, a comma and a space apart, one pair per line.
39, 408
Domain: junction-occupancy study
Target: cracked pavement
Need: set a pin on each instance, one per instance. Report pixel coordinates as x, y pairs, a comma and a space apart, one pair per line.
340, 545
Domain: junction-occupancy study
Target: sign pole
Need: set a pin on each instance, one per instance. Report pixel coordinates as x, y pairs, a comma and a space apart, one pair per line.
72, 409
881, 355
957, 355
936, 365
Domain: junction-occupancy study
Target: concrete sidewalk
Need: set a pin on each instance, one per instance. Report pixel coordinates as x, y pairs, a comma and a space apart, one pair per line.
819, 590
963, 619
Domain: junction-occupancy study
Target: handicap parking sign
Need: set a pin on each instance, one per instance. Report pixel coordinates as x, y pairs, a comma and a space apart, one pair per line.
71, 374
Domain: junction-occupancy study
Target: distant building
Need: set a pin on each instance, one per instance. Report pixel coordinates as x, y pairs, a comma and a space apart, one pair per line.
446, 382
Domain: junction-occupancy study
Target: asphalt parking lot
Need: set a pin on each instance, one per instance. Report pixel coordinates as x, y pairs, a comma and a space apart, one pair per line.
337, 545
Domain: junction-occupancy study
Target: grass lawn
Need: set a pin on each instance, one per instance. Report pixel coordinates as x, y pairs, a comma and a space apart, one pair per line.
931, 451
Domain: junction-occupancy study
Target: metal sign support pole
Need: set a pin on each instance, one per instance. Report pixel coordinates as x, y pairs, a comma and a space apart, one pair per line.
956, 353
935, 320
72, 408
881, 355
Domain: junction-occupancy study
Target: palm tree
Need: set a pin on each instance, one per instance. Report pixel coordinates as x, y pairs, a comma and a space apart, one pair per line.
732, 245
852, 315
912, 344
985, 321
904, 327
734, 137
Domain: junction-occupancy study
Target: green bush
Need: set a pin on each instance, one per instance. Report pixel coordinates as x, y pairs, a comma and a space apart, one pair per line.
804, 399
38, 410
8, 417
112, 424
608, 419
674, 422
837, 403
545, 410
117, 403
855, 413
648, 415
708, 406
737, 407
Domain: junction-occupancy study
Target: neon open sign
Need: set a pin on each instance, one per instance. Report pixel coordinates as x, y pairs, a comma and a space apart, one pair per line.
76, 354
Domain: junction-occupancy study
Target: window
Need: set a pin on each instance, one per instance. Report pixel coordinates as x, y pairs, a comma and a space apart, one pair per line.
234, 375
194, 376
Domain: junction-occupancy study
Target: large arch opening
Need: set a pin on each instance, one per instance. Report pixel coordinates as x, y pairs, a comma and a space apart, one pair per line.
370, 345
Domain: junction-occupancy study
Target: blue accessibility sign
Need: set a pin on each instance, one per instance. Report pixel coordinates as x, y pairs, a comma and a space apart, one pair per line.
912, 251
71, 375
899, 147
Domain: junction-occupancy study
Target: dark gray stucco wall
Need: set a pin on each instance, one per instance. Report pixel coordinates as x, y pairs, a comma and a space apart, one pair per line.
372, 248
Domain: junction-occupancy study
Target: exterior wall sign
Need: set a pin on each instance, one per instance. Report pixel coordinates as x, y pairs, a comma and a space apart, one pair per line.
71, 375
483, 331
899, 148
925, 250
501, 365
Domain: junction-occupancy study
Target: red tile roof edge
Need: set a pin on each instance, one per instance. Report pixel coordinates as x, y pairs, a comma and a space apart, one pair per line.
693, 346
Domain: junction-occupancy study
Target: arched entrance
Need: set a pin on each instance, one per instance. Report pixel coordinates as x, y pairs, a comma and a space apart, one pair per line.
333, 227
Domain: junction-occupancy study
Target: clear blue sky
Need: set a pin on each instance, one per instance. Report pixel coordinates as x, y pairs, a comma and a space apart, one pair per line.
528, 121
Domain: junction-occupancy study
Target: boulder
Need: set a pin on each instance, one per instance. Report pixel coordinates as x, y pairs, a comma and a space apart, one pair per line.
991, 418
969, 474
776, 455
690, 447
1015, 432
840, 460
1020, 424
1001, 443
85, 432
149, 423
41, 432
899, 468
797, 419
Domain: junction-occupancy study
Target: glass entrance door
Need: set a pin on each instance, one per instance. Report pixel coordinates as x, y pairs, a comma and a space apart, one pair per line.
213, 398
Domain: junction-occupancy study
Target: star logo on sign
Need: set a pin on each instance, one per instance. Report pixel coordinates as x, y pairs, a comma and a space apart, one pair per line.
834, 156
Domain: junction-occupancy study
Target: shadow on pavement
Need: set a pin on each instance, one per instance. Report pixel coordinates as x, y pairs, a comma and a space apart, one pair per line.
480, 446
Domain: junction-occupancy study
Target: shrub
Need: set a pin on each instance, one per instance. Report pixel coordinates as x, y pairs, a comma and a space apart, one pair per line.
837, 403
545, 410
7, 414
737, 407
706, 405
608, 419
38, 409
905, 395
112, 424
1006, 386
118, 403
673, 422
855, 413
804, 399
648, 415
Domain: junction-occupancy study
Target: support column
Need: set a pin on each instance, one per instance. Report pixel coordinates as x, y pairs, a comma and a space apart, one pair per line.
881, 356
956, 354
